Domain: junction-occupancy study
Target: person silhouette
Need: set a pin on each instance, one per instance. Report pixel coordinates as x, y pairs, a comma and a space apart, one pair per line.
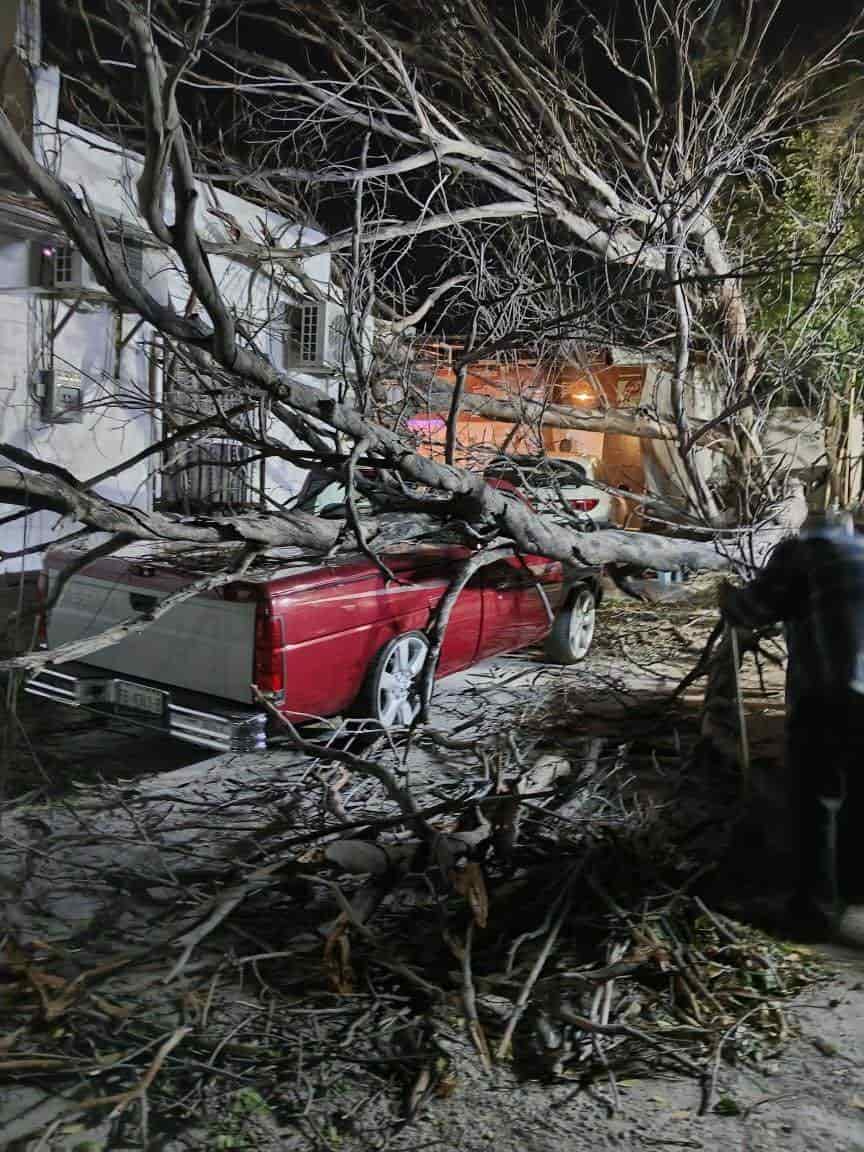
814, 584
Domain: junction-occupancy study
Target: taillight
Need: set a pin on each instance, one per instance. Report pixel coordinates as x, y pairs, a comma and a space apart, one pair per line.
585, 504
269, 673
41, 598
238, 593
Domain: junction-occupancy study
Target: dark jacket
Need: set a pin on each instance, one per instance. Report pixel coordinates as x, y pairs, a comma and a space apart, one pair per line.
814, 584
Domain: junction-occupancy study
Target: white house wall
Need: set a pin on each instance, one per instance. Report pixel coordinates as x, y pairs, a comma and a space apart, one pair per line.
116, 421
109, 431
110, 176
664, 470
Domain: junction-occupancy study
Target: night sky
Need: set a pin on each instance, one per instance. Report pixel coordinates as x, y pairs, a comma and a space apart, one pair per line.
797, 25
798, 28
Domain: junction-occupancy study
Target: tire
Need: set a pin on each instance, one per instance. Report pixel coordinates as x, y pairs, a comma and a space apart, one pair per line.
569, 640
391, 692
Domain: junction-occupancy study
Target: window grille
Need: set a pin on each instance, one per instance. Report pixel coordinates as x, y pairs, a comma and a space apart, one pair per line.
304, 335
64, 266
132, 255
339, 340
214, 473
210, 475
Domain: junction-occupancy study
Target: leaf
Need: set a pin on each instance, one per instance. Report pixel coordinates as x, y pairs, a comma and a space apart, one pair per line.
40, 979
418, 1090
116, 1011
857, 1102
825, 1046
53, 1008
357, 857
470, 883
445, 1087
337, 958
727, 1106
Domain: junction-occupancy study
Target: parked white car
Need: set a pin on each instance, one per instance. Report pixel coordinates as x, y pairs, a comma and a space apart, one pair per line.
585, 498
555, 484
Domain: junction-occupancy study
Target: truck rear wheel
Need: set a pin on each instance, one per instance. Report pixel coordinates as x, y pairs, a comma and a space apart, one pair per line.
569, 639
391, 692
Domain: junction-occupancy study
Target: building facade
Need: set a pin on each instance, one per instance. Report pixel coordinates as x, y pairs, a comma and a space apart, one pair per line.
88, 385
601, 382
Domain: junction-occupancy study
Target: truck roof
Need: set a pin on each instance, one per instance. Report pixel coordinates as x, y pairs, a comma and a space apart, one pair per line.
282, 568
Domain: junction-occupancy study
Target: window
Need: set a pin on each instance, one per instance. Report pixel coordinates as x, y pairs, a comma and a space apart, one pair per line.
60, 267
304, 335
339, 340
131, 253
210, 475
213, 473
64, 266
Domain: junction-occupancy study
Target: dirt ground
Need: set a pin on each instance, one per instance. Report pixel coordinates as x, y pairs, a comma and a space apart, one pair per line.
84, 803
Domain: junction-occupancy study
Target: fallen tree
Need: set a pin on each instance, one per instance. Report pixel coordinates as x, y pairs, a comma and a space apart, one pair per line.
650, 220
218, 346
539, 905
626, 147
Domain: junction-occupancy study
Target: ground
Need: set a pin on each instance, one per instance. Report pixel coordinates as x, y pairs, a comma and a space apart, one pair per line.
109, 849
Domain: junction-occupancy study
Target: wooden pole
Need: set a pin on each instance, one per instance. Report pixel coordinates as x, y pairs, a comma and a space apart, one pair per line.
744, 743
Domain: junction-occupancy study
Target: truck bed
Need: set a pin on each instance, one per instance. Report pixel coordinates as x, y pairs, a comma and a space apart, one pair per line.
205, 644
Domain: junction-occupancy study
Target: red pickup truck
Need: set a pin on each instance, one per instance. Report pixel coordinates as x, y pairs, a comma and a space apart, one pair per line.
318, 639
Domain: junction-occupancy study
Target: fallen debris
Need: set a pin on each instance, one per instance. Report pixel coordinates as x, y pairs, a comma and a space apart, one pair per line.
220, 950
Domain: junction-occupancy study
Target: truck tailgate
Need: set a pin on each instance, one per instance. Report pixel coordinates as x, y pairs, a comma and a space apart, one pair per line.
205, 644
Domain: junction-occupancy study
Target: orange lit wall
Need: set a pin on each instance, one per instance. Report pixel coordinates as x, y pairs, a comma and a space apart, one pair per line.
620, 385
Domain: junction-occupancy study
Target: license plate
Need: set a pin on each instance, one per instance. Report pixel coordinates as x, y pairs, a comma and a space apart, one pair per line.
138, 698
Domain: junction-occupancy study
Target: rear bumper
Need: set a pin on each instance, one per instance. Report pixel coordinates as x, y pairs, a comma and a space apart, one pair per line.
218, 725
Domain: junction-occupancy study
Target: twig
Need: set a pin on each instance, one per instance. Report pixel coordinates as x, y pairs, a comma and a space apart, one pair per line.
587, 1025
395, 966
222, 907
534, 975
353, 521
369, 825
469, 1000
533, 934
768, 1100
664, 1140
742, 719
437, 629
394, 790
722, 928
603, 998
122, 1100
709, 1083
702, 665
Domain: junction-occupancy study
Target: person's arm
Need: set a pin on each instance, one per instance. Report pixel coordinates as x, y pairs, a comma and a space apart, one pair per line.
773, 595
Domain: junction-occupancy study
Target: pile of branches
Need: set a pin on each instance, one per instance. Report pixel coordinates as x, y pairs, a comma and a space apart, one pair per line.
383, 926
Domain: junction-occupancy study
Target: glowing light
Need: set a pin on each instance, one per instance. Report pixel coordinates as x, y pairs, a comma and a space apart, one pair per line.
426, 423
